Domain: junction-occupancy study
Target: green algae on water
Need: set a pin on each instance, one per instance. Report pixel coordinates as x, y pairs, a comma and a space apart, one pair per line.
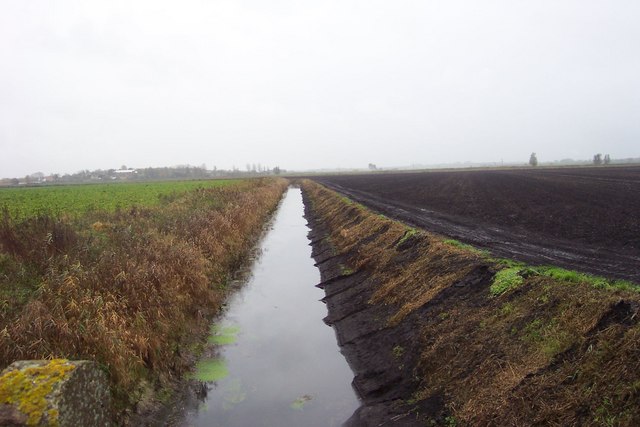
299, 403
233, 394
224, 335
210, 370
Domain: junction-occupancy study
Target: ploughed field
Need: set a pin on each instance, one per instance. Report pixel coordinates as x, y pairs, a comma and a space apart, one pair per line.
586, 219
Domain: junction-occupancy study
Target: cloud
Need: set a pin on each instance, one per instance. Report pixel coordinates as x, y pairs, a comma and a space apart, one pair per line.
314, 84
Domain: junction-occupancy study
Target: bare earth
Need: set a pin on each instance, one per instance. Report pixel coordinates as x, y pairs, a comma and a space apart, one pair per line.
586, 219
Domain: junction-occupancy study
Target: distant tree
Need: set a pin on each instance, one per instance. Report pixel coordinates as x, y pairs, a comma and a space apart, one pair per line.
276, 170
372, 167
607, 159
597, 159
35, 177
123, 167
533, 159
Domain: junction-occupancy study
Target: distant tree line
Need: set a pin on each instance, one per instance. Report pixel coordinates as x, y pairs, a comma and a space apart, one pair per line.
143, 174
598, 160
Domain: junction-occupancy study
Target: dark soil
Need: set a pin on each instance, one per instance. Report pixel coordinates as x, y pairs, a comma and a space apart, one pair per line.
586, 219
383, 379
384, 357
430, 345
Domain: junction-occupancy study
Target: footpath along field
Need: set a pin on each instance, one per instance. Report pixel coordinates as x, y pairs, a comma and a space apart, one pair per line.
578, 218
130, 280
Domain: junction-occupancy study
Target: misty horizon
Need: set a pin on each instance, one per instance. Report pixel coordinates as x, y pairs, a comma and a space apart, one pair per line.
260, 169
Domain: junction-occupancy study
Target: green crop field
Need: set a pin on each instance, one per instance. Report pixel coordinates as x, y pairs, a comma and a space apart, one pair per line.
79, 199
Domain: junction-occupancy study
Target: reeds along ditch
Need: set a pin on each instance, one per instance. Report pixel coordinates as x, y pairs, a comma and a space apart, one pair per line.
543, 350
133, 289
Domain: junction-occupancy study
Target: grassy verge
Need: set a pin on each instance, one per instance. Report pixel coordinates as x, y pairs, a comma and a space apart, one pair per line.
132, 289
501, 343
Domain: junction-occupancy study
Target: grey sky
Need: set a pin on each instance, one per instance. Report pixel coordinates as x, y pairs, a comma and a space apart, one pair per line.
314, 84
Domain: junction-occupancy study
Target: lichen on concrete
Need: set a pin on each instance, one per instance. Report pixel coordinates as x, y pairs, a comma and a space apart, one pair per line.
27, 387
56, 392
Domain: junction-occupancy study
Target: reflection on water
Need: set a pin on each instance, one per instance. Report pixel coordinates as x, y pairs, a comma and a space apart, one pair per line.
278, 363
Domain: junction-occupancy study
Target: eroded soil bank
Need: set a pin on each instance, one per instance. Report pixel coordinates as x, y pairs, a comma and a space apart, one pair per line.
442, 335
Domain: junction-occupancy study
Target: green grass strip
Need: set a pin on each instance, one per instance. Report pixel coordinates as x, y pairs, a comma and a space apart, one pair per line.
514, 274
464, 246
505, 280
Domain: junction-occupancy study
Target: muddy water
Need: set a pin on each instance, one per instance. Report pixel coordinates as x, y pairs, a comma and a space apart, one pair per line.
278, 364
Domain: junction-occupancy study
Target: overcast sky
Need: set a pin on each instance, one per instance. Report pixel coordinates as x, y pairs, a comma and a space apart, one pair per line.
314, 84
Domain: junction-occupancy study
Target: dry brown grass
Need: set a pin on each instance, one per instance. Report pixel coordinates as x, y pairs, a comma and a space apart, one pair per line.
549, 352
132, 290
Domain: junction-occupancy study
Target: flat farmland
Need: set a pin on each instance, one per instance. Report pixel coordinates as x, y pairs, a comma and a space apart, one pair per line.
78, 199
586, 219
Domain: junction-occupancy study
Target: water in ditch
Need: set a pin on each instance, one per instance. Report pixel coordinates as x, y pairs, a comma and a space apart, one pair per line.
278, 364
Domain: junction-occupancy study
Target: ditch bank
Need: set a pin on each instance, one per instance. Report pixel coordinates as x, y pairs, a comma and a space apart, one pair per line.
133, 290
438, 333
